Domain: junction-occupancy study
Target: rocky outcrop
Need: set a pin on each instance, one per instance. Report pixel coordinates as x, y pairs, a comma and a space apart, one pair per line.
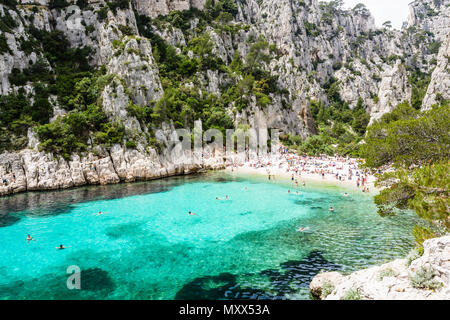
426, 278
33, 170
432, 16
394, 89
154, 8
439, 87
323, 282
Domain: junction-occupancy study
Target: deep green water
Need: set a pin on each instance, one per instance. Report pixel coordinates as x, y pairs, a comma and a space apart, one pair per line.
147, 246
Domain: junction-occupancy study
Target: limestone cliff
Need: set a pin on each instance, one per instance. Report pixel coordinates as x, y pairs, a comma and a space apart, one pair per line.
425, 278
310, 46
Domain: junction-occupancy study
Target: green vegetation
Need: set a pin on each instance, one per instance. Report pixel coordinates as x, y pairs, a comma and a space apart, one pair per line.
10, 3
406, 137
419, 82
414, 254
312, 29
69, 77
7, 22
66, 64
4, 48
385, 273
58, 4
183, 104
64, 73
14, 121
327, 289
352, 294
341, 129
423, 279
86, 120
418, 147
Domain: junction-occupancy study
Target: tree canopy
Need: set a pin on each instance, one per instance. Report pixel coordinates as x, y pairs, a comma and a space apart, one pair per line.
418, 147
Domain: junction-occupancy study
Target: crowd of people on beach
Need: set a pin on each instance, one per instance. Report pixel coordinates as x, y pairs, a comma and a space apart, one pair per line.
297, 166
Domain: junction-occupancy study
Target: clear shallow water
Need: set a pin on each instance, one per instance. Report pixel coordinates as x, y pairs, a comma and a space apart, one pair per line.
147, 246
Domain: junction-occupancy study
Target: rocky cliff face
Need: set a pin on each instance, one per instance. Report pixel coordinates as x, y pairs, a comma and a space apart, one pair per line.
425, 278
439, 87
311, 45
155, 8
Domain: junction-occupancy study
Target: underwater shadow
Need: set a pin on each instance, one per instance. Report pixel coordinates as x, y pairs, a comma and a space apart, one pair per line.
292, 276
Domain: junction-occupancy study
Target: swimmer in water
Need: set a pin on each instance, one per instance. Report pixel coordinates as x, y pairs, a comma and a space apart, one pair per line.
226, 197
29, 238
331, 209
302, 229
289, 191
346, 194
192, 214
61, 247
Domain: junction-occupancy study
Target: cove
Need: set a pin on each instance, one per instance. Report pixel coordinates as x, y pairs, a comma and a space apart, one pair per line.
147, 246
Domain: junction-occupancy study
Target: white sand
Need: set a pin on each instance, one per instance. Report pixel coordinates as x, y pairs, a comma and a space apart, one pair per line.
309, 169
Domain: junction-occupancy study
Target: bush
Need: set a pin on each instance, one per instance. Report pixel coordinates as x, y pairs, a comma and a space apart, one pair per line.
126, 30
102, 13
82, 4
58, 4
327, 289
14, 121
317, 145
4, 47
385, 273
118, 4
58, 137
414, 254
423, 279
131, 145
10, 3
352, 294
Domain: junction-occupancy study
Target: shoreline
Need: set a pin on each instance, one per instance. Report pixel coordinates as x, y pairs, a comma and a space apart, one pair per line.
237, 167
315, 180
200, 171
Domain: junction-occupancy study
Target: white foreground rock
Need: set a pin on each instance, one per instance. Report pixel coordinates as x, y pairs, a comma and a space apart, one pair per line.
392, 281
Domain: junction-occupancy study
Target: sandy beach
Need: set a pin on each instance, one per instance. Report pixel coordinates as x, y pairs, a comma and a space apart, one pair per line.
345, 172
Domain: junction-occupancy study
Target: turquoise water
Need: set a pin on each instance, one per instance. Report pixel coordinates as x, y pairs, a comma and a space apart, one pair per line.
147, 246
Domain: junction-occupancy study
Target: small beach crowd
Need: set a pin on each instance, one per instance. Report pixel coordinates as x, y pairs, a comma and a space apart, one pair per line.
329, 168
